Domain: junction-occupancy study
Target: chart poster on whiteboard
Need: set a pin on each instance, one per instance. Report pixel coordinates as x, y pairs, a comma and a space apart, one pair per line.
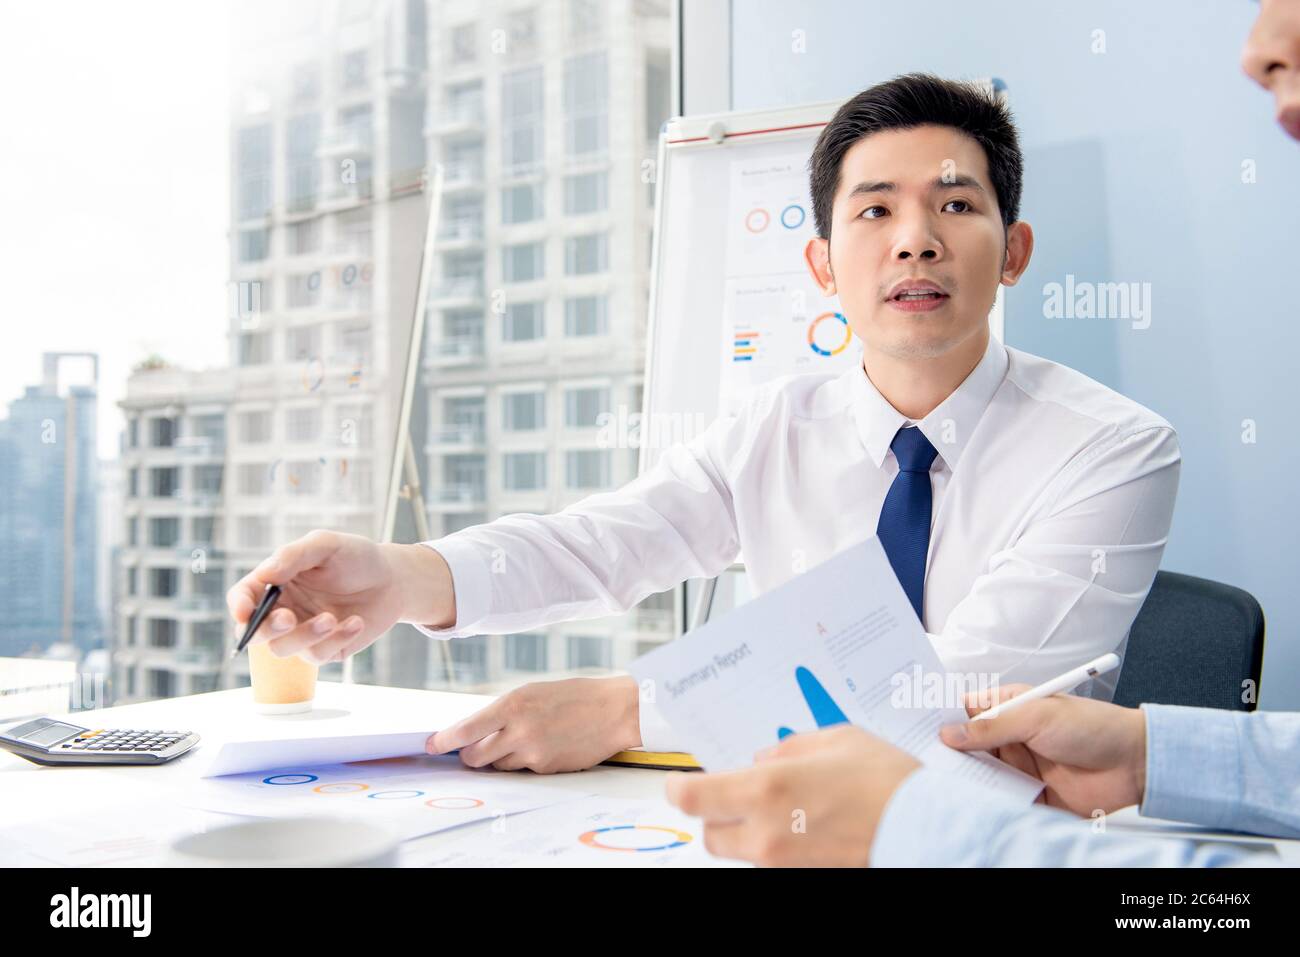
776, 321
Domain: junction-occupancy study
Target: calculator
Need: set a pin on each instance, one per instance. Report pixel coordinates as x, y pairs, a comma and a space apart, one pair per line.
47, 741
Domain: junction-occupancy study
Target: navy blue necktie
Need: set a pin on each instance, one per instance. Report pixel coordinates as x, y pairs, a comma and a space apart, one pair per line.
904, 526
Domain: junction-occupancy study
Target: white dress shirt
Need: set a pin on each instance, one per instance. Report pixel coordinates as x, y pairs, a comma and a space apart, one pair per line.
1052, 499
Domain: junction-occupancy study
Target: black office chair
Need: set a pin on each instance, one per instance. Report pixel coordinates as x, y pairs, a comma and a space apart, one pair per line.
1194, 642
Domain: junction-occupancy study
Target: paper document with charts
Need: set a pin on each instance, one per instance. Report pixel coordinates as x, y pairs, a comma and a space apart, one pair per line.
838, 643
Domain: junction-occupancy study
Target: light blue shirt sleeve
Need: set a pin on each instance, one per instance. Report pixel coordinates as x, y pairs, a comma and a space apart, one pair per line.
1222, 769
1230, 770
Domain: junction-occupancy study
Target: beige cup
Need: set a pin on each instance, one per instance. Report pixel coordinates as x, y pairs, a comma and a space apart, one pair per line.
280, 685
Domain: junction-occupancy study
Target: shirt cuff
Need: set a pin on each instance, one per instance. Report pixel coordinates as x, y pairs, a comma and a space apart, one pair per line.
471, 584
936, 820
1193, 765
656, 735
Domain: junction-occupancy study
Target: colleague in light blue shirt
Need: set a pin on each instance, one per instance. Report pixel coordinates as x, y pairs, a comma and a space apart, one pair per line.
859, 800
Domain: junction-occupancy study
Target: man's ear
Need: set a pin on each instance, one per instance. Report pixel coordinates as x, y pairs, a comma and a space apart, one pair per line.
817, 254
1020, 246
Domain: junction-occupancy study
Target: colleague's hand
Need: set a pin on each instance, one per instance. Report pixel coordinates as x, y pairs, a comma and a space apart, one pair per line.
814, 800
1090, 755
548, 726
339, 593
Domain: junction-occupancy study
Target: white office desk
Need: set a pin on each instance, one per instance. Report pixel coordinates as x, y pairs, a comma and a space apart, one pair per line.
33, 793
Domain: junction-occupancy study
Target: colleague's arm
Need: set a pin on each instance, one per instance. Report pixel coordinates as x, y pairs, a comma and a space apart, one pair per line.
1224, 769
935, 819
1072, 582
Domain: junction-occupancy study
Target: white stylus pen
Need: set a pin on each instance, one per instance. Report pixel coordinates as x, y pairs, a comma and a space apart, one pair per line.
1071, 679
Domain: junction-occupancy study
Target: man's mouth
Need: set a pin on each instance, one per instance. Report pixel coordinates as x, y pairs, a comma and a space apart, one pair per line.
917, 294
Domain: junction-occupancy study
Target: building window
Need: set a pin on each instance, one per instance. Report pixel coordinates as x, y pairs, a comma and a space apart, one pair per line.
523, 471
254, 531
658, 92
132, 583
587, 468
164, 482
354, 342
162, 433
464, 43
255, 426
521, 204
523, 322
521, 121
582, 407
585, 19
305, 82
203, 530
303, 424
586, 316
164, 532
161, 633
162, 582
584, 255
303, 237
523, 411
469, 659
254, 478
303, 478
586, 106
253, 174
525, 652
159, 684
254, 245
586, 193
589, 651
254, 348
523, 262
522, 33
352, 70
304, 290
207, 479
302, 167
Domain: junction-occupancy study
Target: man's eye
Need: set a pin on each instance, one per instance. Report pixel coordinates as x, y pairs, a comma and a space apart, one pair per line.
965, 206
873, 212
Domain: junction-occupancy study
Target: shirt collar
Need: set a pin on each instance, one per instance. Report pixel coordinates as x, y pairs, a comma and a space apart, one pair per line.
948, 426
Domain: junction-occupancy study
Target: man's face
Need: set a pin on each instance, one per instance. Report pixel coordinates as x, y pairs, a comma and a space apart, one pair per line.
917, 243
1272, 58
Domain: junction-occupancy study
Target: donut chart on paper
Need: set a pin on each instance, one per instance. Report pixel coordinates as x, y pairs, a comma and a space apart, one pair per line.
608, 838
829, 334
286, 780
342, 787
453, 803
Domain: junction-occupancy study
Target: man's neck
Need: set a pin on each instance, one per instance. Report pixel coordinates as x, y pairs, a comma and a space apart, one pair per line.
916, 386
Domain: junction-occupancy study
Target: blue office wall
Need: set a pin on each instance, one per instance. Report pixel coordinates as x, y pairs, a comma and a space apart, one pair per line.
1134, 173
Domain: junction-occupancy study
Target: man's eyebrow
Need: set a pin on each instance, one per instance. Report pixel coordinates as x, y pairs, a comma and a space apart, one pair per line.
957, 181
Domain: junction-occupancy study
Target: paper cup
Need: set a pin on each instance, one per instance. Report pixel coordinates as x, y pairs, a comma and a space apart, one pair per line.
280, 685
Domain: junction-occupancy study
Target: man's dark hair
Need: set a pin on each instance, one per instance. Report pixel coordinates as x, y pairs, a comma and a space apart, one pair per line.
904, 103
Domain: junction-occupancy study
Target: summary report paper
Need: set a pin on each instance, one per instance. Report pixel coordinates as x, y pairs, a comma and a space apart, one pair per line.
838, 643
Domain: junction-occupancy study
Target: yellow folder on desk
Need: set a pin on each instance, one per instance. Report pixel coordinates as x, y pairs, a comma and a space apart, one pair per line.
659, 760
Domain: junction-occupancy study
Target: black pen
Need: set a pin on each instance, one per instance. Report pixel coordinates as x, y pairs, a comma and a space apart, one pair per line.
263, 609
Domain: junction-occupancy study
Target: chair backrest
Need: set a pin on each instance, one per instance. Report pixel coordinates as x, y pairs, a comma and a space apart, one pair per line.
1194, 642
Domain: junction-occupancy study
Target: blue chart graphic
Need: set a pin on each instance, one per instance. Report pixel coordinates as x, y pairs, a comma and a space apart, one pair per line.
823, 707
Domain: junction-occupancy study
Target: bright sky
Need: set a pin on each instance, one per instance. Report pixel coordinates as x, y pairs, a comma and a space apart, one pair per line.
113, 188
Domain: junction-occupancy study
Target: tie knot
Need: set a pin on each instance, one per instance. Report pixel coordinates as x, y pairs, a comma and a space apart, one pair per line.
913, 450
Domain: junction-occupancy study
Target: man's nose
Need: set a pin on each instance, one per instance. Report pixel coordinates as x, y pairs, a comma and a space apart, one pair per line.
1270, 49
916, 240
